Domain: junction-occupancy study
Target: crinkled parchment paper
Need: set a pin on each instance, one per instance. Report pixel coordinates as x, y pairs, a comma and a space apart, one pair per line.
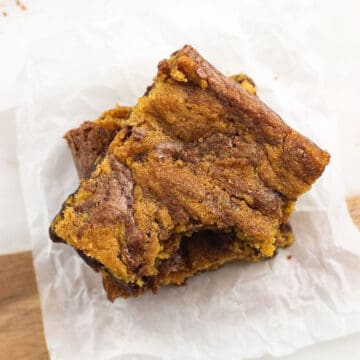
242, 310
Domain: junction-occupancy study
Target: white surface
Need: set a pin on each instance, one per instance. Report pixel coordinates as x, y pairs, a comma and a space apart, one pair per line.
341, 75
13, 225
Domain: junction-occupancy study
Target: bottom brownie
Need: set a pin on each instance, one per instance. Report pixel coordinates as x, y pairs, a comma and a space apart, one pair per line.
203, 251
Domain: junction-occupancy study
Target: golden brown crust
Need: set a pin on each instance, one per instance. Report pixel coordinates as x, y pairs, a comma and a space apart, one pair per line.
198, 153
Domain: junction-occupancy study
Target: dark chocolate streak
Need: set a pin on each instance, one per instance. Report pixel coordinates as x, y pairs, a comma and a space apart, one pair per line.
93, 263
54, 237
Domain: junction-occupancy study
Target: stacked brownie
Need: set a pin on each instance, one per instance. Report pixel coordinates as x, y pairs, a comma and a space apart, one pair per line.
198, 174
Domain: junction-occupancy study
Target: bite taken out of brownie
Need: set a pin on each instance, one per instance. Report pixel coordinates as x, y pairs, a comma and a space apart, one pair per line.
198, 154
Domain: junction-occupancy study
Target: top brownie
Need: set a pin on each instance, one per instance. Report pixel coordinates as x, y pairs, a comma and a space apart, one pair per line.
197, 153
202, 251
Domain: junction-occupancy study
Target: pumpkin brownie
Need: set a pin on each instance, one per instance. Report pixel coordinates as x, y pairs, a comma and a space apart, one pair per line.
202, 251
198, 153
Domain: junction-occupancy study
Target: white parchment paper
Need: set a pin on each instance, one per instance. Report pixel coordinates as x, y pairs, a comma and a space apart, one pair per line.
241, 310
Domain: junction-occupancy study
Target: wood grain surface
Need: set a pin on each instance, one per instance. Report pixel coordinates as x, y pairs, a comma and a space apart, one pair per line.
21, 327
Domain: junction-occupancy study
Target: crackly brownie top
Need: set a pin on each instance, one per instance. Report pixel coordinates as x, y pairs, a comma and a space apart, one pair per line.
197, 152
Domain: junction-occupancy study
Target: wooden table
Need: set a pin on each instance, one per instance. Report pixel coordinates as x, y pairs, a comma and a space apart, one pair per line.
21, 327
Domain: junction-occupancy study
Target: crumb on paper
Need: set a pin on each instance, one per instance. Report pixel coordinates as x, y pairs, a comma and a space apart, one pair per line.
276, 77
289, 257
20, 5
4, 13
